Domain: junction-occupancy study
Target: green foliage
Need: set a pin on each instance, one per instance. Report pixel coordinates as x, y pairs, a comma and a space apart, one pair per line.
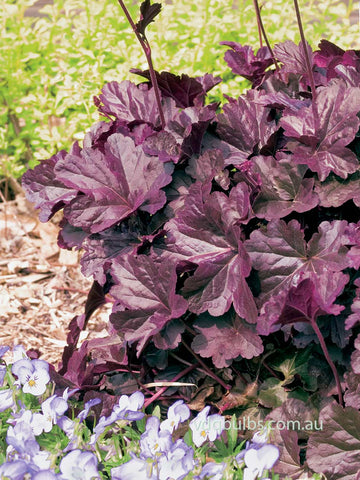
50, 67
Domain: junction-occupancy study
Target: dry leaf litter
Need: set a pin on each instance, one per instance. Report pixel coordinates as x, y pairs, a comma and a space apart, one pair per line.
41, 286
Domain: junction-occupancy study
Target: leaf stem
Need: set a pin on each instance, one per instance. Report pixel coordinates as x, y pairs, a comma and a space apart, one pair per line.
308, 64
206, 368
259, 20
328, 359
147, 50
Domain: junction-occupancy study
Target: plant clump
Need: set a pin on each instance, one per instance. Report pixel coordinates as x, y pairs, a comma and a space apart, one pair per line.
230, 232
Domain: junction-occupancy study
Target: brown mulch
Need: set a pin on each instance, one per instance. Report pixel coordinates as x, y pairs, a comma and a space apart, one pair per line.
41, 286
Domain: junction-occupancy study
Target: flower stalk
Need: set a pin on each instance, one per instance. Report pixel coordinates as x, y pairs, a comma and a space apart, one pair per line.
147, 51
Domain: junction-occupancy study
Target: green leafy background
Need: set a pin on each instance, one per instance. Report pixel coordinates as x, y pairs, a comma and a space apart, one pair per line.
52, 66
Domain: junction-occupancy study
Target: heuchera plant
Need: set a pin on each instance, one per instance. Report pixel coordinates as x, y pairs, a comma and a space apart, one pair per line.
217, 230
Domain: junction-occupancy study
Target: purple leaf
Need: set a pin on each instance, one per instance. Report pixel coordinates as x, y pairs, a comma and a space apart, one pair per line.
349, 74
95, 299
170, 336
184, 90
148, 13
101, 248
129, 103
45, 190
326, 53
209, 166
335, 192
147, 290
242, 61
244, 124
352, 393
289, 463
99, 133
283, 259
354, 318
290, 412
293, 57
182, 135
114, 184
107, 350
335, 450
300, 304
327, 58
353, 239
334, 62
322, 146
225, 338
177, 192
164, 145
305, 302
355, 357
204, 232
70, 237
283, 188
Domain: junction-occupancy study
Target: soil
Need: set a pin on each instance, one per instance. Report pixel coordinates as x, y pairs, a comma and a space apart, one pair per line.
41, 286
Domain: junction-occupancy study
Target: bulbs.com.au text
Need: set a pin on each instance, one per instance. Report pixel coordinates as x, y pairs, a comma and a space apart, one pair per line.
246, 423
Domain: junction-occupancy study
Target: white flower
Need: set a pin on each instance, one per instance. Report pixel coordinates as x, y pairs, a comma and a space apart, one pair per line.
178, 412
206, 428
32, 374
6, 399
259, 459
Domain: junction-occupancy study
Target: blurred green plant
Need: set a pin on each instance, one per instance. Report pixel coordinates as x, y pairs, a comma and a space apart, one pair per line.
50, 67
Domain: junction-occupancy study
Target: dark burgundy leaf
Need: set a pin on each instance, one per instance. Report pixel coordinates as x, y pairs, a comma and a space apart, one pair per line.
209, 166
293, 57
95, 299
45, 190
184, 90
354, 318
225, 338
322, 146
170, 336
352, 393
245, 124
130, 103
148, 13
283, 259
334, 192
335, 450
283, 188
147, 290
242, 61
114, 184
205, 233
101, 248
